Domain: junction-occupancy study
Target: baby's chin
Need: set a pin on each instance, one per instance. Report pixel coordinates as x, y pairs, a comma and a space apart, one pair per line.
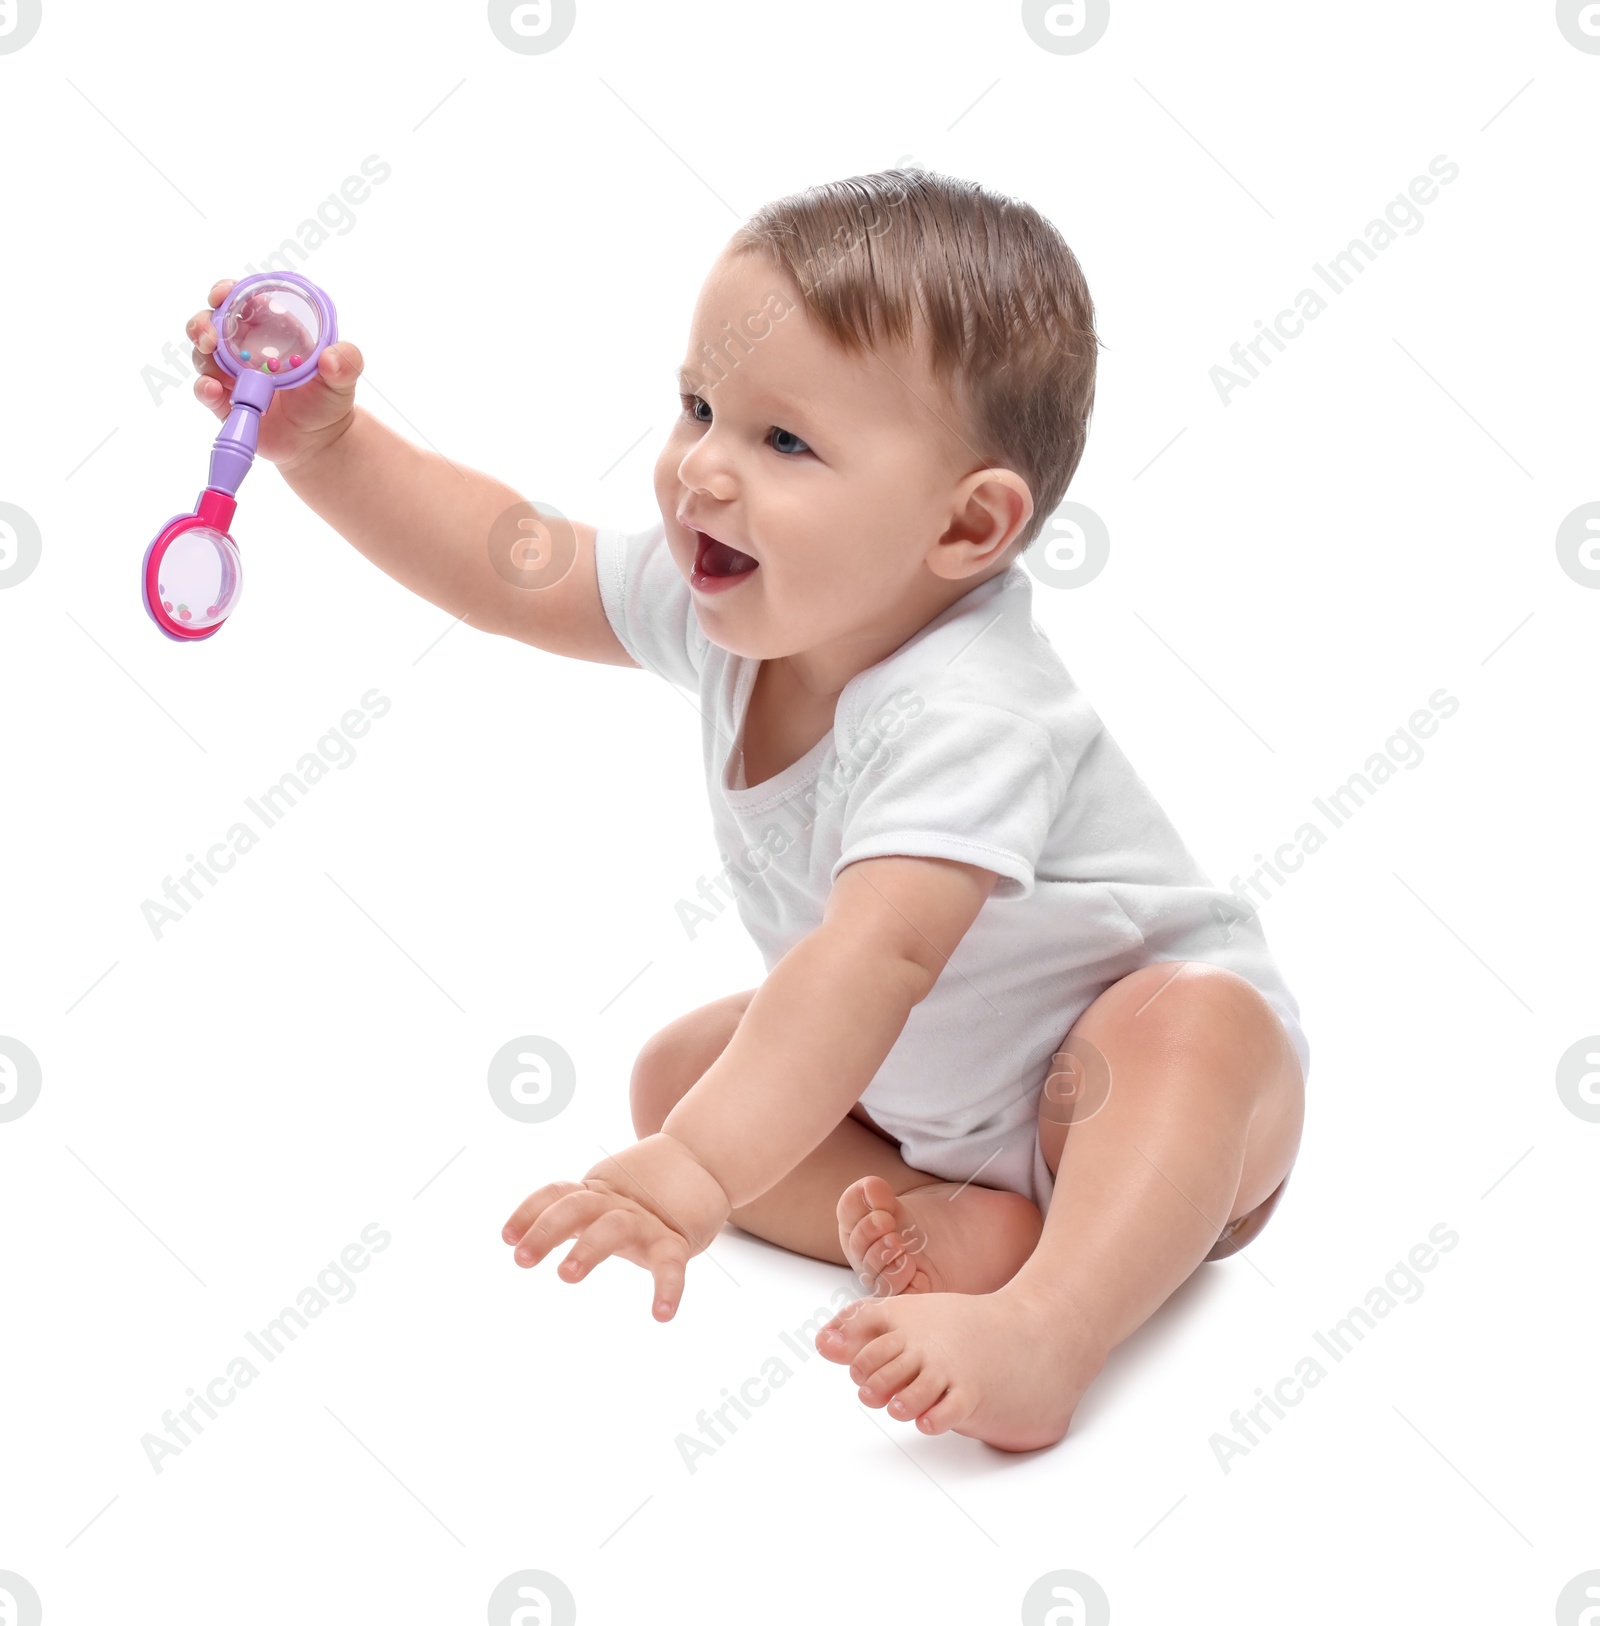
746, 627
748, 642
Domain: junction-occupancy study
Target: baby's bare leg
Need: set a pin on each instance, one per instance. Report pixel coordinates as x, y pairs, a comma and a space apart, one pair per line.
1200, 1126
799, 1213
1191, 1124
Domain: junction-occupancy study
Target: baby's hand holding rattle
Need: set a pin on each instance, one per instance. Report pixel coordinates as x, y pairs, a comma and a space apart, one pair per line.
654, 1203
303, 419
271, 333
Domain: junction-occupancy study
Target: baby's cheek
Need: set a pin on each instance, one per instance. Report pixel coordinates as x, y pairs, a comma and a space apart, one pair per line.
673, 451
667, 484
835, 592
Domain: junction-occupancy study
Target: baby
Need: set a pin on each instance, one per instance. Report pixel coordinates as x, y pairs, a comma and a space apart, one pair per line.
1016, 1061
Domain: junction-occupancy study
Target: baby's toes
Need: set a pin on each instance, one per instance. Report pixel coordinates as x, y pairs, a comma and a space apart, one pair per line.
886, 1265
871, 1228
920, 1393
946, 1414
893, 1376
876, 1355
855, 1326
869, 1194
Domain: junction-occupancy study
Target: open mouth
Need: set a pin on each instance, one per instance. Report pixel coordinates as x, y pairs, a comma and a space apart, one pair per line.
718, 566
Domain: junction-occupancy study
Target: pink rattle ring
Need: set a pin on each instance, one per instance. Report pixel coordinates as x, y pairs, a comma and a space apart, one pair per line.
271, 329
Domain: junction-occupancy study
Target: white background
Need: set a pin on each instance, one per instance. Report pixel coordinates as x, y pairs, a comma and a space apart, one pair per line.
225, 1108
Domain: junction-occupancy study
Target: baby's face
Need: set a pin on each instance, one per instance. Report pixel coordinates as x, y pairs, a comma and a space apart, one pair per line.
835, 474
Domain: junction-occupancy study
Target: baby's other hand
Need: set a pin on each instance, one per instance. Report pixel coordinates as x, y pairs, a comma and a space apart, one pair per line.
654, 1204
299, 421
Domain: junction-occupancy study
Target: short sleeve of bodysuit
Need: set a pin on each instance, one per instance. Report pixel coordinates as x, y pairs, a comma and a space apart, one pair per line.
960, 779
649, 605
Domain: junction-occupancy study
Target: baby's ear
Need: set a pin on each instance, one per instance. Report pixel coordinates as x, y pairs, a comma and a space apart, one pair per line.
992, 508
1017, 504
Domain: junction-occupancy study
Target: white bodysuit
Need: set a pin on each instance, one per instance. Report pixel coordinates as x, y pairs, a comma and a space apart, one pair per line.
971, 742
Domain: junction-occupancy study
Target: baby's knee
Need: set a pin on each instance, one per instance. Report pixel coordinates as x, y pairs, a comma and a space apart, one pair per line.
671, 1062
660, 1079
1196, 1008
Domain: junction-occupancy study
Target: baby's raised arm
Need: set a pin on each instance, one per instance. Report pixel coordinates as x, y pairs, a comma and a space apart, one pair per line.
420, 518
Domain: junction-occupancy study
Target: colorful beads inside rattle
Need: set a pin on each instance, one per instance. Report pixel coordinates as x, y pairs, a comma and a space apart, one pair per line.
271, 329
202, 565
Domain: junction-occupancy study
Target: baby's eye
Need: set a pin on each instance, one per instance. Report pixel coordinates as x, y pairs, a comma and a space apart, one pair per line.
789, 434
690, 402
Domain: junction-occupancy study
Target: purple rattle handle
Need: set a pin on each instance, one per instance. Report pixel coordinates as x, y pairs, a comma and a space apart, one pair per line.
234, 449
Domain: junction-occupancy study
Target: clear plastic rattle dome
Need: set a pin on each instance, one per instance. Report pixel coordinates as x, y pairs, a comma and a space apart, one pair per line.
199, 577
271, 328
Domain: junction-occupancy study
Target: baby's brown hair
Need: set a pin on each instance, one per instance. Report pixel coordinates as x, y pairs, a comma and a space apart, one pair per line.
1001, 298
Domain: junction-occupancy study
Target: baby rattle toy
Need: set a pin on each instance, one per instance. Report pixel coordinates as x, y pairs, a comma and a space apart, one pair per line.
270, 331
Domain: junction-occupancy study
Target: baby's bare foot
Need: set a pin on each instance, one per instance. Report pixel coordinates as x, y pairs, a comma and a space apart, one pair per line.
1007, 1367
937, 1238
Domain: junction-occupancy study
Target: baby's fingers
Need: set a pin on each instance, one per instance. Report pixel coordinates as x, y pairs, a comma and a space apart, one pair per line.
213, 387
338, 368
667, 1260
569, 1215
643, 1240
202, 330
615, 1232
202, 334
530, 1208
